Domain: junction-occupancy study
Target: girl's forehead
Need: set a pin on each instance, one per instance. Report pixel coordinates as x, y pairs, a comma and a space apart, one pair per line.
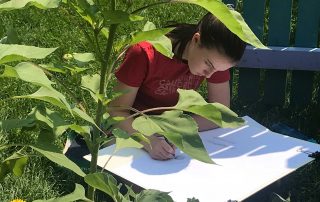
215, 55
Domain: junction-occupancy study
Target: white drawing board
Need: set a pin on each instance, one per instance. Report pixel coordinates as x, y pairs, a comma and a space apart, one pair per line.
249, 158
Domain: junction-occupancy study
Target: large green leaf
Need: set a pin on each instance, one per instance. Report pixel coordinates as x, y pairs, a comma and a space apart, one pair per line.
16, 123
154, 196
49, 95
14, 164
119, 16
54, 154
11, 53
91, 83
124, 140
231, 18
191, 101
51, 118
180, 129
18, 4
28, 72
54, 68
156, 37
81, 114
78, 194
106, 183
83, 57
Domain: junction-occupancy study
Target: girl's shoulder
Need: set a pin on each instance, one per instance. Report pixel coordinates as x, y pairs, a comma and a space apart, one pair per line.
144, 48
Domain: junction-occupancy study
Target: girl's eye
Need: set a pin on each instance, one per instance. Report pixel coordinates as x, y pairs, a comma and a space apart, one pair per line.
209, 65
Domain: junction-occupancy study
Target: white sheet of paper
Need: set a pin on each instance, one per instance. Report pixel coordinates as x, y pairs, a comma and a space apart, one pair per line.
249, 158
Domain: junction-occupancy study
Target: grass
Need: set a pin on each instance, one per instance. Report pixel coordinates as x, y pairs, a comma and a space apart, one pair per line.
55, 28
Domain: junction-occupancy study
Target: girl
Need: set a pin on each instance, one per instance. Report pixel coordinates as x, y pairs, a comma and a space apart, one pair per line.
206, 50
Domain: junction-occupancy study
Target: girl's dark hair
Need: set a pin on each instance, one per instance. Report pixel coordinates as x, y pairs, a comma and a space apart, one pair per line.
213, 34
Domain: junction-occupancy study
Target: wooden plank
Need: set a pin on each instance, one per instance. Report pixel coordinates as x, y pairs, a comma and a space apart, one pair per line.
282, 57
234, 3
317, 78
249, 79
306, 36
278, 35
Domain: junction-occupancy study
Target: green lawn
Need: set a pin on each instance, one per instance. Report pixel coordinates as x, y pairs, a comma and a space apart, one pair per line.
62, 28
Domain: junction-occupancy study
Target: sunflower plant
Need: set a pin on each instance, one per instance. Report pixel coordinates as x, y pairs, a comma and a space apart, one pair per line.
102, 19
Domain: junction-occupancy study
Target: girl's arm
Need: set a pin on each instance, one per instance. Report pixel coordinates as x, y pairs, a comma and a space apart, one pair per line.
158, 149
217, 92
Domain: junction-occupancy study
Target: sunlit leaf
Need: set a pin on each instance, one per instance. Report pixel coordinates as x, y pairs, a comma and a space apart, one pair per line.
231, 18
118, 16
180, 129
81, 114
84, 57
78, 194
111, 120
75, 70
191, 101
53, 68
80, 129
153, 195
11, 53
106, 183
91, 83
54, 154
18, 4
14, 164
146, 126
155, 37
130, 192
88, 11
124, 140
105, 32
28, 72
49, 95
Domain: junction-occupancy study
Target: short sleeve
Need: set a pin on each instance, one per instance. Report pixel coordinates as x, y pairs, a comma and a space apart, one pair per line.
220, 77
134, 67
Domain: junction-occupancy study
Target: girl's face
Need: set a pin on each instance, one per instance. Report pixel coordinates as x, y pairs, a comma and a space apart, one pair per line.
203, 61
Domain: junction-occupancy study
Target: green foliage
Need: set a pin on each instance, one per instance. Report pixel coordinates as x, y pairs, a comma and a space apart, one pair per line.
18, 4
101, 23
28, 72
179, 128
54, 154
13, 52
155, 37
14, 164
231, 18
192, 101
77, 194
153, 195
106, 183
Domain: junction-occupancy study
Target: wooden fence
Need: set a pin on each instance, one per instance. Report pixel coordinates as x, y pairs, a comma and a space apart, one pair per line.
287, 74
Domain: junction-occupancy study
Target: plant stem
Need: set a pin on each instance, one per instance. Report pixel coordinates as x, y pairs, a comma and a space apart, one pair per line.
114, 63
149, 110
104, 69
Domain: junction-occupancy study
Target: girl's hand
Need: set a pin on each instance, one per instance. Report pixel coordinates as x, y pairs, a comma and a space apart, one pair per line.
159, 148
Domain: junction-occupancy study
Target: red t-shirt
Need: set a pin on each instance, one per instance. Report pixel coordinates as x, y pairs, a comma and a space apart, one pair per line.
158, 77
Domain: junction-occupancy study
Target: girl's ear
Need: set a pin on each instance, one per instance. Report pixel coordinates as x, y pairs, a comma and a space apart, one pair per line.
196, 38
